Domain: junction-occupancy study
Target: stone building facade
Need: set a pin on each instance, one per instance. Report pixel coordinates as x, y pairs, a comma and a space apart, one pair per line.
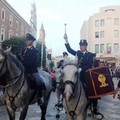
102, 30
11, 23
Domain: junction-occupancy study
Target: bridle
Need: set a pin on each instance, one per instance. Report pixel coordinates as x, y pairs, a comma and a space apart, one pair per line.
18, 77
73, 86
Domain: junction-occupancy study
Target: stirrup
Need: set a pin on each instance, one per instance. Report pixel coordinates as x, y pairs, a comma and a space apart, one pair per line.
59, 106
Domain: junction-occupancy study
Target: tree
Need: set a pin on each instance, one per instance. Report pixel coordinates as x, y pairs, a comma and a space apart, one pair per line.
16, 43
38, 46
51, 65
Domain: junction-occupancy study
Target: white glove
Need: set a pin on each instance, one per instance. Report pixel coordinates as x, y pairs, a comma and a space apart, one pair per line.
66, 38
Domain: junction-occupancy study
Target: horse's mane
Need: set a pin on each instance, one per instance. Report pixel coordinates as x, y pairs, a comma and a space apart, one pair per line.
16, 61
70, 62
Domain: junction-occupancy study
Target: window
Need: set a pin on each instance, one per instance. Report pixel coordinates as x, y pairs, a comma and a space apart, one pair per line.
102, 22
109, 48
116, 33
116, 21
96, 34
10, 20
102, 49
102, 34
10, 35
22, 29
97, 23
97, 48
3, 14
2, 34
26, 31
116, 47
17, 25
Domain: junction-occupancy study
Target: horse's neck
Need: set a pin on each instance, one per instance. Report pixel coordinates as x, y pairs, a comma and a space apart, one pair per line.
14, 72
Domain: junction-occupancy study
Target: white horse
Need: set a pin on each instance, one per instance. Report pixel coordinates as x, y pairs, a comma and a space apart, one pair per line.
74, 100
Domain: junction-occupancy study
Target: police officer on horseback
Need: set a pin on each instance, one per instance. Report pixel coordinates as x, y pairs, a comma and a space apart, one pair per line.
28, 57
85, 61
83, 57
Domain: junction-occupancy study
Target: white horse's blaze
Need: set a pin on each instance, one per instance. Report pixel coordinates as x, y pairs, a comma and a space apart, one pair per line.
68, 92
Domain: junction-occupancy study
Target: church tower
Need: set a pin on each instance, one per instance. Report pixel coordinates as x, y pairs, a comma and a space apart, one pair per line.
33, 21
42, 35
42, 41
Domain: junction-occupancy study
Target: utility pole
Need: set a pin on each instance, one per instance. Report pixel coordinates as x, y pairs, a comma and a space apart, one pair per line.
42, 41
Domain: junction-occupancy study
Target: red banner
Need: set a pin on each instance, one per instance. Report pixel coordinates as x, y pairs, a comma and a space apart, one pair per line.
99, 82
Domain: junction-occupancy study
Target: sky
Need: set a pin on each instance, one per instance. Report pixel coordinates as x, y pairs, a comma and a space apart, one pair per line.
53, 14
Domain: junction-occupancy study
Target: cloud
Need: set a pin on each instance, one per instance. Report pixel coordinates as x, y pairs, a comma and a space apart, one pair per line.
47, 14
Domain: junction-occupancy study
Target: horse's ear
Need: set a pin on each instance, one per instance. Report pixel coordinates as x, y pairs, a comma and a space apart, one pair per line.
8, 50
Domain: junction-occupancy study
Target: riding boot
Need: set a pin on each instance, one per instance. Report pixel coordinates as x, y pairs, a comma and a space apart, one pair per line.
95, 110
54, 85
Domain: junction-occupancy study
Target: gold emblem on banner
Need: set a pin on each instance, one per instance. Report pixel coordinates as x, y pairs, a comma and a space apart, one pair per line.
102, 80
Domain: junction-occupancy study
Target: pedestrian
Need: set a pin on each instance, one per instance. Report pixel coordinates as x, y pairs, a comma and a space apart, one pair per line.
64, 60
116, 91
28, 58
52, 74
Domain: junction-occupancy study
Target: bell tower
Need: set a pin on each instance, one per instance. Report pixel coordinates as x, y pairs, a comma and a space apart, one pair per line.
33, 20
42, 35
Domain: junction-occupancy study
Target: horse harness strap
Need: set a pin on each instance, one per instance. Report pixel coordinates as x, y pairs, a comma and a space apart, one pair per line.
72, 112
69, 82
11, 98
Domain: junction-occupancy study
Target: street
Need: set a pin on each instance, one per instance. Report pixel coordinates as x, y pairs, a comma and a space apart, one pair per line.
108, 106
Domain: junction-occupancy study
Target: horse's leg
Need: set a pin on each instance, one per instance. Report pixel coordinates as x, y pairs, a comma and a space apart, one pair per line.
11, 113
80, 117
44, 107
69, 117
58, 96
23, 112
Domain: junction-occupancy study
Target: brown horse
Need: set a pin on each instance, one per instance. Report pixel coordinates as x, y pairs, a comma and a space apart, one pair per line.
18, 93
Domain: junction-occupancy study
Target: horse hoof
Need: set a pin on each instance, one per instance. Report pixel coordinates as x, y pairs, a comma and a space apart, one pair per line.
57, 116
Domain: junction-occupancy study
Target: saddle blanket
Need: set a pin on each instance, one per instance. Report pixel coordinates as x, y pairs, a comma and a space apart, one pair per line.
99, 82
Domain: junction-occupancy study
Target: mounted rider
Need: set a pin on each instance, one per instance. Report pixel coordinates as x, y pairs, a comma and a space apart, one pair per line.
85, 60
28, 57
64, 60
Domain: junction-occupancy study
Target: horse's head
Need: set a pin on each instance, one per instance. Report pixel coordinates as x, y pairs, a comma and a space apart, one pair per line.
58, 74
3, 62
10, 67
70, 77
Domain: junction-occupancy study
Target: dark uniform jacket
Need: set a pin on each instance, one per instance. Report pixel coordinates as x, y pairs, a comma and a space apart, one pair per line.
85, 61
28, 58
